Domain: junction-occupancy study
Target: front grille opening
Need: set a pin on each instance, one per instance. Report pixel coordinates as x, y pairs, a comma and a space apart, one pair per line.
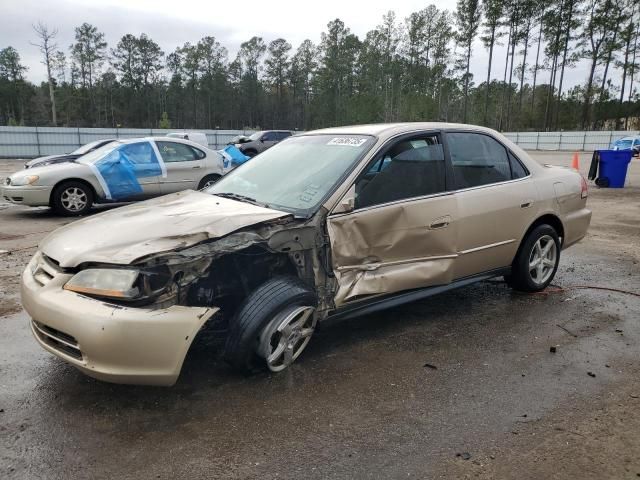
63, 342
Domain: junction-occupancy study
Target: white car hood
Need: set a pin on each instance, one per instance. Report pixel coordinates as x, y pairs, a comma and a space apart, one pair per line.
125, 234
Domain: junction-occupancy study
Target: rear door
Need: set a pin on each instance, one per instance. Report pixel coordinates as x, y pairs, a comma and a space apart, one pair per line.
496, 201
184, 164
401, 233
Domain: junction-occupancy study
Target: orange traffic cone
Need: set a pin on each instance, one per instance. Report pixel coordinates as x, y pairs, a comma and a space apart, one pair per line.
575, 163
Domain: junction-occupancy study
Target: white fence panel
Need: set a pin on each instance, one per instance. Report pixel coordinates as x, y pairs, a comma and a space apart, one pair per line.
29, 142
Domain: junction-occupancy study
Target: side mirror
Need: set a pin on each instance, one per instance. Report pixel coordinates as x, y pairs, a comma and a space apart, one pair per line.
348, 201
263, 139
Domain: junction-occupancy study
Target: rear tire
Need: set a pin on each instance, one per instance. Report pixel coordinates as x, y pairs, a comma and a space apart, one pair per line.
72, 198
258, 321
537, 260
207, 181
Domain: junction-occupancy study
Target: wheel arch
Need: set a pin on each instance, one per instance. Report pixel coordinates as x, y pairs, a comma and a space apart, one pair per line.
73, 179
548, 219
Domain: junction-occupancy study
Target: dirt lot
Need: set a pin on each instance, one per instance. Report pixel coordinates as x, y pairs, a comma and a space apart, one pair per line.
361, 403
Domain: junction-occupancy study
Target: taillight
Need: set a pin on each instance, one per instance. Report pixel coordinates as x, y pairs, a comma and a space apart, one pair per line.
584, 189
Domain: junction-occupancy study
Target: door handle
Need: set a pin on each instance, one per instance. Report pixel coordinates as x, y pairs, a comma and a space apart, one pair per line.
526, 204
197, 166
441, 222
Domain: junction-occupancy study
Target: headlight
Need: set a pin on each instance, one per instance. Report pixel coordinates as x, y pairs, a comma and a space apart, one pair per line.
27, 180
106, 282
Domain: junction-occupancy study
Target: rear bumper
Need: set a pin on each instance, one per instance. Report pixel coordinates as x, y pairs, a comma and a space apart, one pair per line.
31, 195
109, 342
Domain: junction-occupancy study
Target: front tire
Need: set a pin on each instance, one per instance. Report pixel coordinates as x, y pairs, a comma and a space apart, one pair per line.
72, 199
537, 260
272, 327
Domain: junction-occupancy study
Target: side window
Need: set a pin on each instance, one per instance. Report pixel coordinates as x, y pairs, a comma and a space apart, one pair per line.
270, 137
177, 152
283, 135
138, 153
517, 169
477, 159
411, 168
198, 153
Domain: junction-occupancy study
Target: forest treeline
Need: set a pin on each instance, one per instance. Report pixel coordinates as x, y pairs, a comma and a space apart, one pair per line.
411, 69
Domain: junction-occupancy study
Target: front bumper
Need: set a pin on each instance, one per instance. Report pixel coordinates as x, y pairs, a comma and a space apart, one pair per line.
31, 195
105, 341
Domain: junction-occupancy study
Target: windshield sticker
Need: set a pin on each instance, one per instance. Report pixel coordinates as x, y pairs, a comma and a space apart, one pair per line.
347, 141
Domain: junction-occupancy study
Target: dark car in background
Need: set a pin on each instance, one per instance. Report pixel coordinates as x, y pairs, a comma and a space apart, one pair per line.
261, 141
67, 157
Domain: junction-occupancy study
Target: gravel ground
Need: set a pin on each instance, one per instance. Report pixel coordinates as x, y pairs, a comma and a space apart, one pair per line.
361, 403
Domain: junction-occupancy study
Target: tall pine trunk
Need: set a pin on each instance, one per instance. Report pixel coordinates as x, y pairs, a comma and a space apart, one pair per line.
486, 92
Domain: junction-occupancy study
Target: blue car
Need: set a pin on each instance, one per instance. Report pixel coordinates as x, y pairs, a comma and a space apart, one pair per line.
627, 143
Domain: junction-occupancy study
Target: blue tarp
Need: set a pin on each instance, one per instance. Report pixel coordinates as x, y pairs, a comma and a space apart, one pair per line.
121, 168
232, 156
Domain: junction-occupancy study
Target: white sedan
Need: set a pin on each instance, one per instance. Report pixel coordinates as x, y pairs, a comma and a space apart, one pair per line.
122, 171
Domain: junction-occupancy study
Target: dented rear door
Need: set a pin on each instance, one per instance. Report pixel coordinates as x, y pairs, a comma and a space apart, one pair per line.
388, 243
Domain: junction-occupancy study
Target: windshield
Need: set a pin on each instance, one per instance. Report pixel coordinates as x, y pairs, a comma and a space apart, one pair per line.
87, 148
98, 153
256, 136
298, 173
623, 143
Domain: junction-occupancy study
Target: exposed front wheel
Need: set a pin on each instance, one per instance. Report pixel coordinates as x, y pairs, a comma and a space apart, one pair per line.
72, 198
537, 260
273, 326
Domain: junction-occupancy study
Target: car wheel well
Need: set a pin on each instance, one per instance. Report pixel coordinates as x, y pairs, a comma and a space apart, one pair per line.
79, 180
548, 219
233, 277
206, 178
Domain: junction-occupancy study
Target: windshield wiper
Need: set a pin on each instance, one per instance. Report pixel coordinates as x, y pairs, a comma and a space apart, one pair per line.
240, 198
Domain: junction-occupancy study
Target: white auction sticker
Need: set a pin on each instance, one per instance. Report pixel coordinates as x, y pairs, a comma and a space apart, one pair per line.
347, 141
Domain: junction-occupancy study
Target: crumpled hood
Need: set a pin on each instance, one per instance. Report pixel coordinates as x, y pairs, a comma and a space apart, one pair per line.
125, 234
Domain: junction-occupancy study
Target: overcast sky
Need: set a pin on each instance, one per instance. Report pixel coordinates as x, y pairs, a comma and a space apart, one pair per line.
172, 23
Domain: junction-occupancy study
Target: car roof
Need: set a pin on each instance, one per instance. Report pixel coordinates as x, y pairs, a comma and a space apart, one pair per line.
384, 130
160, 139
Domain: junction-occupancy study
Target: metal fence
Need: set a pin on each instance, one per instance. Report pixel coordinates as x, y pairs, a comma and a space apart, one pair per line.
30, 142
587, 141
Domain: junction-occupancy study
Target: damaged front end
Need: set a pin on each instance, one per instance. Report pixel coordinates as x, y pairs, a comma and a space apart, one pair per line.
224, 271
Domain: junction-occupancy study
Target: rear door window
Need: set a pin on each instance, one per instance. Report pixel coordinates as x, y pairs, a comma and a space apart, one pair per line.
477, 159
178, 152
517, 169
270, 137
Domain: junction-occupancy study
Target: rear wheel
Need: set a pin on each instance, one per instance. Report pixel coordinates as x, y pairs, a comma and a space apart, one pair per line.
273, 326
537, 260
72, 198
207, 181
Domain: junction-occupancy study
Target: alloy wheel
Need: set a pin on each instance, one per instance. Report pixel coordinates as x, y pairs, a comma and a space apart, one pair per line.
73, 199
286, 336
542, 259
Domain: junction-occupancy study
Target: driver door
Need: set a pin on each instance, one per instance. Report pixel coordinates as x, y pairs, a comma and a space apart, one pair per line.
401, 233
